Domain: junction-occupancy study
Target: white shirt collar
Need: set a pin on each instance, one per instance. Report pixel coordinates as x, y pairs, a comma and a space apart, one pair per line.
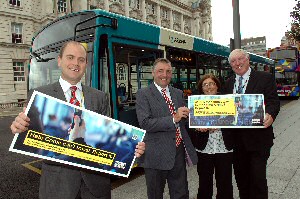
245, 76
66, 85
160, 88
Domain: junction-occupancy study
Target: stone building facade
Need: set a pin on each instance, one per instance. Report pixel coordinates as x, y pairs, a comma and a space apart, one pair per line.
255, 45
20, 19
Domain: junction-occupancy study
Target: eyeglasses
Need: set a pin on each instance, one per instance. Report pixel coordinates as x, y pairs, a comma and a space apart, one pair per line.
206, 85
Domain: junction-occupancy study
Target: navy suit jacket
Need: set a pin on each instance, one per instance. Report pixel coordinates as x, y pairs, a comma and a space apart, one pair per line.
259, 83
154, 116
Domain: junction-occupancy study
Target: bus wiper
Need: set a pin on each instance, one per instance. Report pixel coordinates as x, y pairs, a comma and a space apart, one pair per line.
45, 59
39, 59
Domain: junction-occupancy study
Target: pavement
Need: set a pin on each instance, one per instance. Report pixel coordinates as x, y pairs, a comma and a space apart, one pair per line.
283, 170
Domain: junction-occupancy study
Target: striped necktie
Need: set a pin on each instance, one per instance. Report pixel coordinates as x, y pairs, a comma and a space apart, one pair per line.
240, 88
172, 110
73, 99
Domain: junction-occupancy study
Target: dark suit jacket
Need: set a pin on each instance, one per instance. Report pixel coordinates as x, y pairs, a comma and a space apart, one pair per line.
259, 83
94, 100
154, 116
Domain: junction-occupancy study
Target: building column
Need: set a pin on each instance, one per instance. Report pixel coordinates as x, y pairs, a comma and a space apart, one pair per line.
196, 26
144, 12
171, 20
182, 23
69, 6
205, 27
106, 5
55, 8
126, 6
158, 18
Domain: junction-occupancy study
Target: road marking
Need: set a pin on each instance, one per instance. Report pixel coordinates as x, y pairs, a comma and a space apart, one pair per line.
32, 168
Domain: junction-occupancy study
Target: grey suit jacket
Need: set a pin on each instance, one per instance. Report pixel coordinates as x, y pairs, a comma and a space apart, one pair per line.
97, 183
154, 116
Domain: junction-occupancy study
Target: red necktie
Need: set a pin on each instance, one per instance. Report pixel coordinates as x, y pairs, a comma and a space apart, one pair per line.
73, 99
172, 110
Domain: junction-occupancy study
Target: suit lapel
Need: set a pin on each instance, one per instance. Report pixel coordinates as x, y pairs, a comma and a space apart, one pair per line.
231, 84
58, 92
251, 82
158, 96
173, 97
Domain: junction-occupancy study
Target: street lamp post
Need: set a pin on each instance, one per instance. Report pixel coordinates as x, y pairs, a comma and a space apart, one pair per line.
236, 24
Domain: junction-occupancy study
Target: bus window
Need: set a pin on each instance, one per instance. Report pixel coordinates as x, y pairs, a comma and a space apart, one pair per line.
133, 69
184, 70
65, 27
44, 69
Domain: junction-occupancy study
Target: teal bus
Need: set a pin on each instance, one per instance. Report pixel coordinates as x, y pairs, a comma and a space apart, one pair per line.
121, 51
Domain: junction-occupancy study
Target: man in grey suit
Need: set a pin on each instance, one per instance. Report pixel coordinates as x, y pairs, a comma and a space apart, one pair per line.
59, 180
166, 154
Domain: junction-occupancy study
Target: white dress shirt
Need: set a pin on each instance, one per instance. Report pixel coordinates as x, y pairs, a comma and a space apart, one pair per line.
67, 91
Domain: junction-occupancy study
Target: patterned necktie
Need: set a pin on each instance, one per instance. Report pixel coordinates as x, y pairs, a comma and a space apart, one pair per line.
172, 110
73, 99
240, 88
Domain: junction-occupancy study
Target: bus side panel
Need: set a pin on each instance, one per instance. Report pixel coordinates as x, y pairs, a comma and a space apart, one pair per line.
132, 29
210, 48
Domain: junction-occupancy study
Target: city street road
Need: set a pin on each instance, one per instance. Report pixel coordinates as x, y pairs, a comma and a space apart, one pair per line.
16, 181
20, 174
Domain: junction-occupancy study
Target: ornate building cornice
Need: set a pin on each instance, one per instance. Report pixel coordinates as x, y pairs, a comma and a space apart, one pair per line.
13, 45
30, 18
180, 5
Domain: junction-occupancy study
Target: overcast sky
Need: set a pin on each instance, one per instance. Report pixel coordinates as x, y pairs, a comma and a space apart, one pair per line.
270, 18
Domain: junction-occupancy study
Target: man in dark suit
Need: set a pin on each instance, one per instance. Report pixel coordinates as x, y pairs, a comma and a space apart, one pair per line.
58, 180
252, 146
161, 111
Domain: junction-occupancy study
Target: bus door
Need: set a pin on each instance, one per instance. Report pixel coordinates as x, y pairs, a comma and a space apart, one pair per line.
133, 66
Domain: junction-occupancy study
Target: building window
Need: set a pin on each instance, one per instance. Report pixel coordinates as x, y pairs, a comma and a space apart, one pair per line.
119, 1
153, 9
19, 71
165, 13
92, 7
62, 6
150, 8
16, 33
15, 2
134, 4
176, 17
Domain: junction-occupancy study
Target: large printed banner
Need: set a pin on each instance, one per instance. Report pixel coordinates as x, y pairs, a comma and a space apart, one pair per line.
75, 136
226, 111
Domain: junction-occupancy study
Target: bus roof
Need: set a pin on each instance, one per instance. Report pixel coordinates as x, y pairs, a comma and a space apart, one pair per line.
146, 32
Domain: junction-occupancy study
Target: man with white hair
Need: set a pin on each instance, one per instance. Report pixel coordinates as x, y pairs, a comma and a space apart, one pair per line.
252, 146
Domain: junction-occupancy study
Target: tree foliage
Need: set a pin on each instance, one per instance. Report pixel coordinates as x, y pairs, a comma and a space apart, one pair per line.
295, 25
